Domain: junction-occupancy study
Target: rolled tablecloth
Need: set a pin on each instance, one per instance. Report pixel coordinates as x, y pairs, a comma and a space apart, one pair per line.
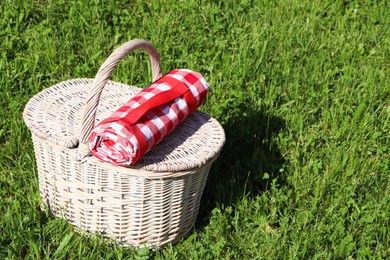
143, 121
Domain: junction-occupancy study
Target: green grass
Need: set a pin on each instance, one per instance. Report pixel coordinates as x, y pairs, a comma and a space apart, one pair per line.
301, 88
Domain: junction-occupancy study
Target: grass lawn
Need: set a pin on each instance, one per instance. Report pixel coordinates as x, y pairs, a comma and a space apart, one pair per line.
302, 89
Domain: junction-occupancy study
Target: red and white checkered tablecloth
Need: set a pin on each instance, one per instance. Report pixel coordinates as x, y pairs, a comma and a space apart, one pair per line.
148, 117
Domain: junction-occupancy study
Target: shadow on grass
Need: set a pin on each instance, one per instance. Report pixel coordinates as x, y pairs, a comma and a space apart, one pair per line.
249, 161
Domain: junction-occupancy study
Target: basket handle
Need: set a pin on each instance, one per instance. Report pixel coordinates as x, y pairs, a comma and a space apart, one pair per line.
104, 73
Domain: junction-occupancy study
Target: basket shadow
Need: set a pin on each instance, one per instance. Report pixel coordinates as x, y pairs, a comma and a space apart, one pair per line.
248, 163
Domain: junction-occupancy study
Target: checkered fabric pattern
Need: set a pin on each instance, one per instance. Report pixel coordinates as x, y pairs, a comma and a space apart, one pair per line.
148, 117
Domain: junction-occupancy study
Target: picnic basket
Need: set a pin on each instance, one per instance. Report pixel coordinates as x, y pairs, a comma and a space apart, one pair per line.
151, 203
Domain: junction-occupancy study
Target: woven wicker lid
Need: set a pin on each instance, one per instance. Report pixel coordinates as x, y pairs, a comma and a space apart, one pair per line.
63, 115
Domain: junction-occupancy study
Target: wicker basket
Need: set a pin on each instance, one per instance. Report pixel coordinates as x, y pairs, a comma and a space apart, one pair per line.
152, 203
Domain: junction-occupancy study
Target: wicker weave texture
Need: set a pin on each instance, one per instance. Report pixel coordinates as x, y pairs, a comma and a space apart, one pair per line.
152, 203
116, 201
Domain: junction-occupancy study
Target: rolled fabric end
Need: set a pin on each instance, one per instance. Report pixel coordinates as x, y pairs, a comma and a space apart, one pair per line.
114, 143
152, 114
